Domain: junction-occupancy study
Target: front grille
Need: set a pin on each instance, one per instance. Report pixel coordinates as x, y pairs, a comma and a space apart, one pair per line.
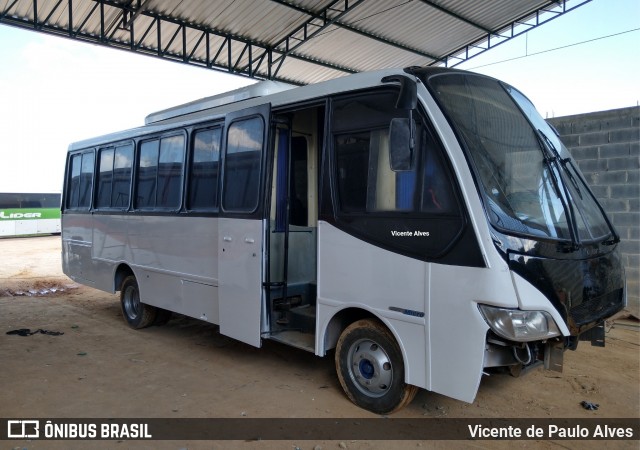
598, 308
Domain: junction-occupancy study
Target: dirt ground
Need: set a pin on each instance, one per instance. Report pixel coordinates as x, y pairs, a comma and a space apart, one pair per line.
186, 369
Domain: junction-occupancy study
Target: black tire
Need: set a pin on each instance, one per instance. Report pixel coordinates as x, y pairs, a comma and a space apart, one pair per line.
136, 314
370, 368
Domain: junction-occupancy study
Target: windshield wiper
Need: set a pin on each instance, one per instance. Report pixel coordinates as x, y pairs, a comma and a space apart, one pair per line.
570, 171
551, 157
561, 160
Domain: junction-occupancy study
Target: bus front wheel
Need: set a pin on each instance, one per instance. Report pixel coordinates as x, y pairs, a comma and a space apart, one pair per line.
136, 314
370, 368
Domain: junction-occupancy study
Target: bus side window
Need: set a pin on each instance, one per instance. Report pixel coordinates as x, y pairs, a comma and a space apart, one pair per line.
122, 164
113, 181
242, 165
147, 174
73, 191
414, 212
170, 172
80, 181
159, 180
204, 170
366, 182
104, 178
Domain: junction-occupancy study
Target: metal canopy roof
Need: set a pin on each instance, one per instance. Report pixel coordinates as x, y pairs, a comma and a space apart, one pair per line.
297, 41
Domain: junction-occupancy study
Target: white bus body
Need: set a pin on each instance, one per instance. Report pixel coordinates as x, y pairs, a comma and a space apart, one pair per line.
387, 214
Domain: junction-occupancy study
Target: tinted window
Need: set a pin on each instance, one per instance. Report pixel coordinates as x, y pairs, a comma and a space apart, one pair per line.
204, 170
122, 164
27, 200
366, 182
412, 212
104, 178
159, 180
73, 187
170, 172
242, 165
86, 180
147, 174
114, 177
80, 181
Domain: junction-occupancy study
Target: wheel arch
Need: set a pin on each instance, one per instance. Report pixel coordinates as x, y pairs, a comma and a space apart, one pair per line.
414, 361
338, 322
122, 271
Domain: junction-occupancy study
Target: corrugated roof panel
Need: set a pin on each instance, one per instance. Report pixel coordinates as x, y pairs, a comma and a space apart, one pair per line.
415, 24
52, 13
93, 24
492, 17
263, 20
308, 73
362, 53
146, 33
372, 34
80, 11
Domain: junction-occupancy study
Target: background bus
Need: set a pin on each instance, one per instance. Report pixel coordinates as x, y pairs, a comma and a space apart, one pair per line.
29, 213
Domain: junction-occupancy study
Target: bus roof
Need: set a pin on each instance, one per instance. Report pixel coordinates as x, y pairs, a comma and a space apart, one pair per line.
217, 106
244, 93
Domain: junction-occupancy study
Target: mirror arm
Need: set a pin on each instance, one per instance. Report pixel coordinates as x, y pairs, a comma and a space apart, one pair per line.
407, 99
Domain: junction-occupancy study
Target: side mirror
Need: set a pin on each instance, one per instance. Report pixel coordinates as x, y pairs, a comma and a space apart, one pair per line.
401, 132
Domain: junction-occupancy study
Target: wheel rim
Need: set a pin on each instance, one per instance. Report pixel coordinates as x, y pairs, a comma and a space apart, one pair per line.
370, 368
131, 301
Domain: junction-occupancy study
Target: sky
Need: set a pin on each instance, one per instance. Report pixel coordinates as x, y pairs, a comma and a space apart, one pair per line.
55, 91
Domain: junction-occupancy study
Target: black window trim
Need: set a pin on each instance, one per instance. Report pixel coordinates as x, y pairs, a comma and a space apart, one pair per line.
212, 211
223, 159
464, 242
134, 188
441, 153
114, 145
67, 182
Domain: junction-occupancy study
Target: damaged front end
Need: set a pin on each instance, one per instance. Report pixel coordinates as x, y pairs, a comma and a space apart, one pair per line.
522, 340
584, 292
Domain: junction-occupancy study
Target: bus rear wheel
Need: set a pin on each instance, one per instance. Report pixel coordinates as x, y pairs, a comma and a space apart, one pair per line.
370, 368
136, 314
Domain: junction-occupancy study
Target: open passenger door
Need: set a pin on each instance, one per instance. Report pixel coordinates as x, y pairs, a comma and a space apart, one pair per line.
240, 234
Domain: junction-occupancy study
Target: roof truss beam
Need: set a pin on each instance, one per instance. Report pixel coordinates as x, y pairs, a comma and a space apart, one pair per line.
133, 25
353, 29
552, 10
456, 16
311, 28
256, 60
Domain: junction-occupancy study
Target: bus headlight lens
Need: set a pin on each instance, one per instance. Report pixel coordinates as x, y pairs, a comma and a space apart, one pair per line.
518, 325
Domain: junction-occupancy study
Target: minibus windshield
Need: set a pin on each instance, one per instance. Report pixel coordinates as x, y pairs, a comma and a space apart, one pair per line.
531, 186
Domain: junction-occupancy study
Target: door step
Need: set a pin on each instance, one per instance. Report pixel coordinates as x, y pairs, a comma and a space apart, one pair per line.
298, 339
303, 318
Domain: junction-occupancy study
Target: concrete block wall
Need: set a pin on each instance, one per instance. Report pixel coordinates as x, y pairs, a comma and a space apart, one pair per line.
606, 146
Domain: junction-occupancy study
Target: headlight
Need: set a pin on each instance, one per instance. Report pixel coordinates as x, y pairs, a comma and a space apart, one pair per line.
517, 325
